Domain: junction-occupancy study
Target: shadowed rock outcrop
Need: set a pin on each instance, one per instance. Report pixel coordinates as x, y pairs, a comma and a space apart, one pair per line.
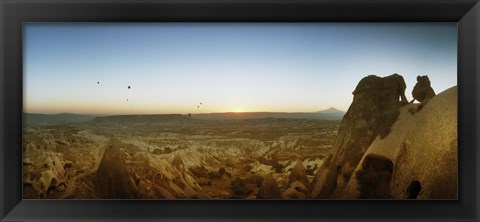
318, 184
374, 109
112, 177
296, 190
298, 184
238, 186
298, 174
269, 189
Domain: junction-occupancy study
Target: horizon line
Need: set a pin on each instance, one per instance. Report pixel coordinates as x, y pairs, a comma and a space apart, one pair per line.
132, 114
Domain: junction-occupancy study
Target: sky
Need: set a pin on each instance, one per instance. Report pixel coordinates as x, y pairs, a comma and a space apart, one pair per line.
86, 68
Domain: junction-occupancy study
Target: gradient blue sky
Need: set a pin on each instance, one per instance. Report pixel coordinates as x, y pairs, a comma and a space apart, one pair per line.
172, 67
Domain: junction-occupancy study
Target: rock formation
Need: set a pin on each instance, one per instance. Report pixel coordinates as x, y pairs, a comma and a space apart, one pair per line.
318, 187
417, 159
374, 109
49, 176
422, 91
296, 190
162, 179
269, 189
394, 84
298, 184
298, 174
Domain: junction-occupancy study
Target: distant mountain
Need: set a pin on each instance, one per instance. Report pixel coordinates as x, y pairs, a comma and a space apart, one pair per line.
54, 119
331, 110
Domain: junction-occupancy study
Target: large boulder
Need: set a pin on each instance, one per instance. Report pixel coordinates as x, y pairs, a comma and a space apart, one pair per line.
426, 166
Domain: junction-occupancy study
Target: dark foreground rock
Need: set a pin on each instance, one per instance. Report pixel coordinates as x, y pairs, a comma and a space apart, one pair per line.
112, 177
374, 109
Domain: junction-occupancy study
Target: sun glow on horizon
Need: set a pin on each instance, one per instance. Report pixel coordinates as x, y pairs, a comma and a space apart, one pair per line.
238, 110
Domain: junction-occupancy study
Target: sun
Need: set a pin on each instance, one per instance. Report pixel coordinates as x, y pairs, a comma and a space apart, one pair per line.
237, 110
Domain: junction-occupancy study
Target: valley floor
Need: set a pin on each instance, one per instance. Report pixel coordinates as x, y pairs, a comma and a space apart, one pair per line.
174, 159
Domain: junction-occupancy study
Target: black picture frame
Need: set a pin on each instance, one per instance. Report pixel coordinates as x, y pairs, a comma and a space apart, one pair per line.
15, 12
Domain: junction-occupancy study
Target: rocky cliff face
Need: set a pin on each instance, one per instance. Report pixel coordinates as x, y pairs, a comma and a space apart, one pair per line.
374, 109
386, 151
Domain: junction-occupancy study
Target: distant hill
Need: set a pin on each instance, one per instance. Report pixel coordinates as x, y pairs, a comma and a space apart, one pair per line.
54, 119
330, 114
332, 110
69, 118
139, 118
325, 115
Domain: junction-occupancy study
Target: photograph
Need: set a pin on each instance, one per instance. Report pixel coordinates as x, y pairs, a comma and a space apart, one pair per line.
178, 110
